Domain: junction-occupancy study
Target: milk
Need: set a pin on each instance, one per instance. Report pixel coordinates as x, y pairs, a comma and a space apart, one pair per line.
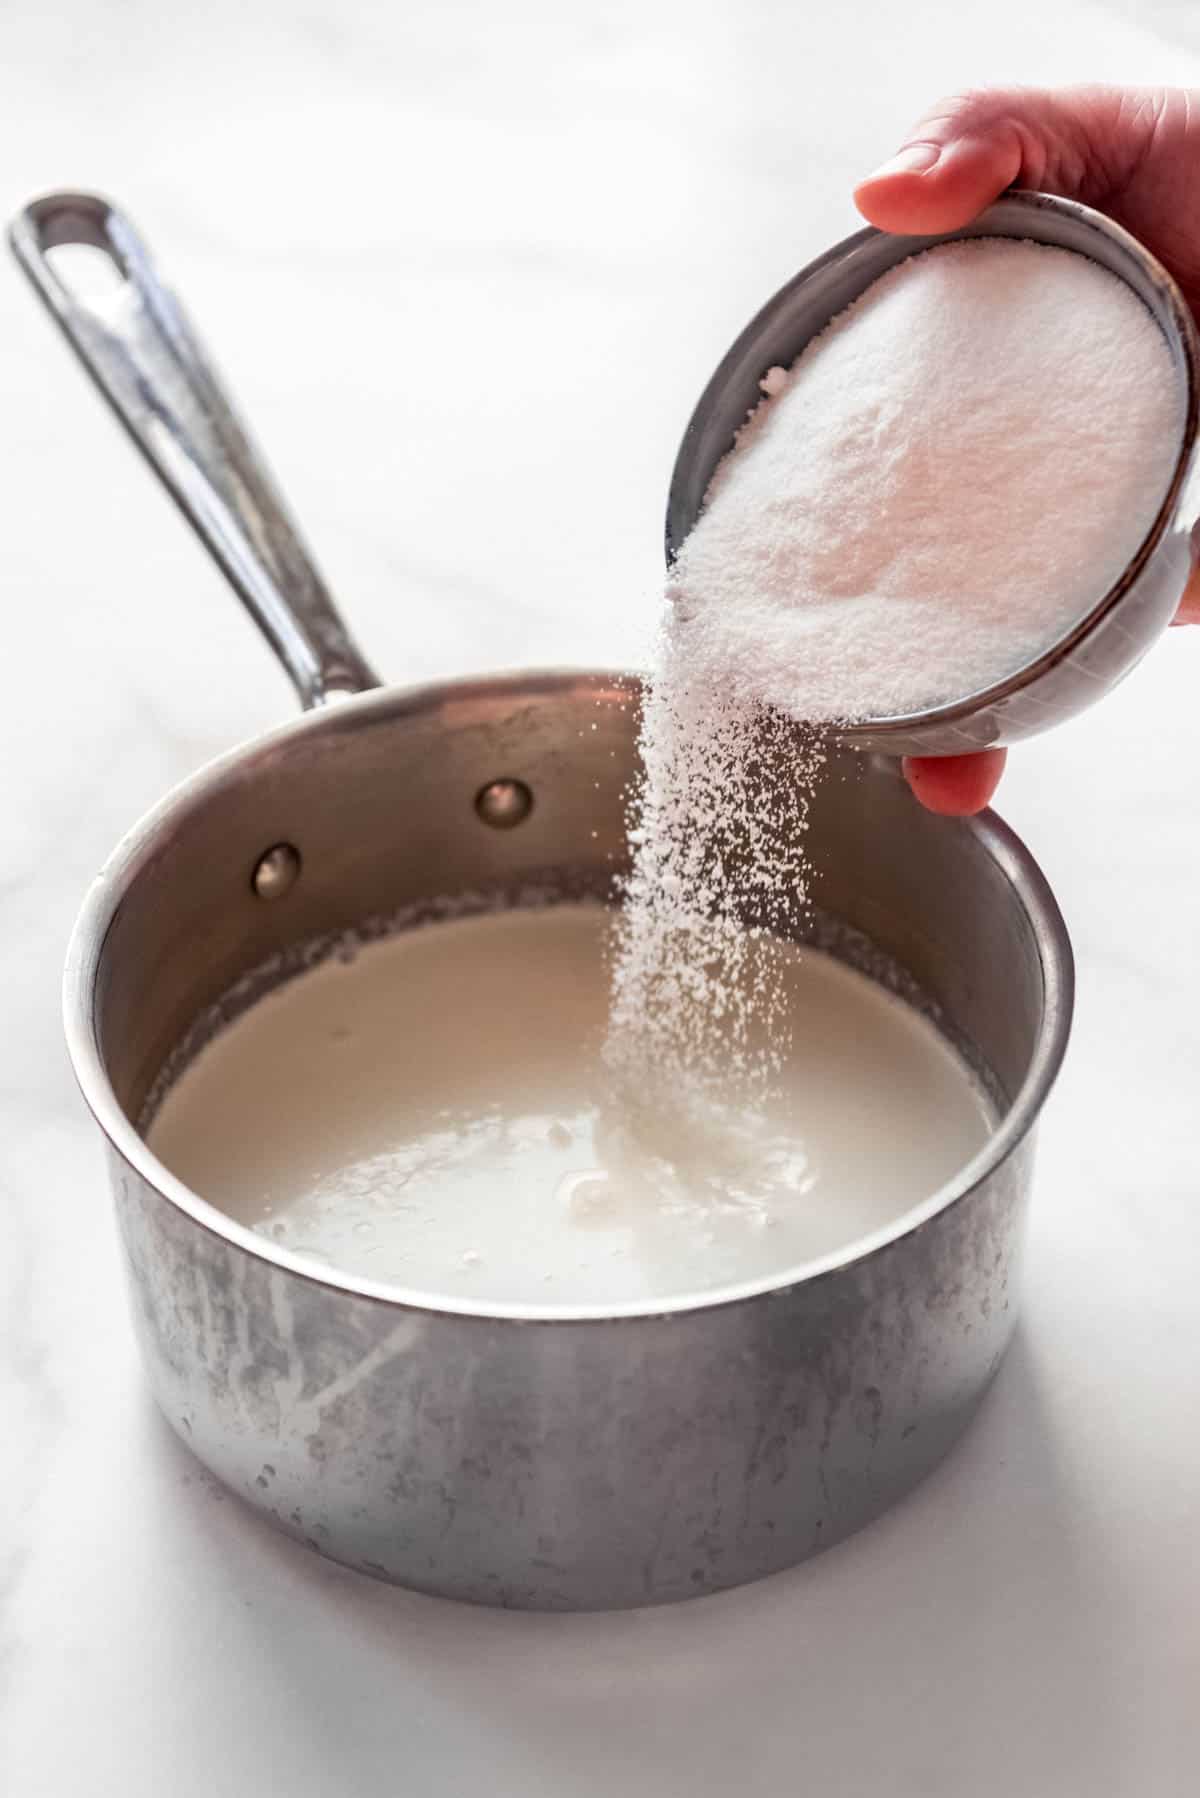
435, 1113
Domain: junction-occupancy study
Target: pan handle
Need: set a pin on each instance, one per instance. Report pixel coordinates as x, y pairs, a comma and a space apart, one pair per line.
136, 343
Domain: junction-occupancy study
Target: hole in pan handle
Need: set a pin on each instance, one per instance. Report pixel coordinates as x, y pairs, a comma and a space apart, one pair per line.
136, 342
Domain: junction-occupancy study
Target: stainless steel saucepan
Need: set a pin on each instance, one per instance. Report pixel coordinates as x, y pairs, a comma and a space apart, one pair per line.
539, 1456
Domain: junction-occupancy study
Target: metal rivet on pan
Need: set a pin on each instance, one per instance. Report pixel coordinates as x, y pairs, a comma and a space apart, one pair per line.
504, 803
276, 871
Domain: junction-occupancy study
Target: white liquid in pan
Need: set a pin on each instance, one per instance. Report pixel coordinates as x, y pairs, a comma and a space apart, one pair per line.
433, 1113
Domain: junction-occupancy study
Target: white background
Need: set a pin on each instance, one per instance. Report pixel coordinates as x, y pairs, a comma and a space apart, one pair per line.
468, 267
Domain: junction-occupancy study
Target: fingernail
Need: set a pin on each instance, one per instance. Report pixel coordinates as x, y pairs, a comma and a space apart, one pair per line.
913, 159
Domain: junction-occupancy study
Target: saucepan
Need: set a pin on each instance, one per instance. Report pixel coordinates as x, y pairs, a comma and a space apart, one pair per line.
540, 1456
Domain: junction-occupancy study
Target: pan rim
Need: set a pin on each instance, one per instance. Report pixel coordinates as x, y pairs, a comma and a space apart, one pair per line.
1030, 890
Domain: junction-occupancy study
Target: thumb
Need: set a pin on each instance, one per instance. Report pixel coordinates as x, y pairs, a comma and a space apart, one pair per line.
963, 153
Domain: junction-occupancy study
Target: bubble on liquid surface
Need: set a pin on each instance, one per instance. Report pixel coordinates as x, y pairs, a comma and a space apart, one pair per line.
588, 1195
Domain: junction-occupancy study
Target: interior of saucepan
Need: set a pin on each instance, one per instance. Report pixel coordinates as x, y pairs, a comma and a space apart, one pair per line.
378, 797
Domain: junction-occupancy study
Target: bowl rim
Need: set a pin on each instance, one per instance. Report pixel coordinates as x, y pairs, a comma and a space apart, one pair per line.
1184, 341
142, 842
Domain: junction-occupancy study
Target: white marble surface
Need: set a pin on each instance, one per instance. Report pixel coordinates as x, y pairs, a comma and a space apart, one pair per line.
468, 267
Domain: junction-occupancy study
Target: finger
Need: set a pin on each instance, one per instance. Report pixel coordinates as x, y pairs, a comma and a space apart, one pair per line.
955, 786
930, 187
1075, 141
1189, 605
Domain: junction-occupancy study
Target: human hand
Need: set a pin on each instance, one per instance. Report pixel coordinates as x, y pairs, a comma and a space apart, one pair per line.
1129, 152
